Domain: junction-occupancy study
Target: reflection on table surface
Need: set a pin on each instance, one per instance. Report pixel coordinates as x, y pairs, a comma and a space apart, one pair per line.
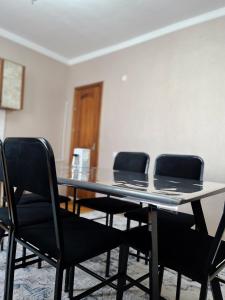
166, 189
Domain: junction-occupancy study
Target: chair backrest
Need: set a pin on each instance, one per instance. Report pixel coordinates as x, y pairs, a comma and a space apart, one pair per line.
30, 166
132, 162
180, 166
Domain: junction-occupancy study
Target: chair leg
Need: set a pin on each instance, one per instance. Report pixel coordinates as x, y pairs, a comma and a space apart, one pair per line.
78, 208
122, 270
203, 291
71, 282
128, 224
109, 252
2, 244
2, 233
74, 206
138, 252
66, 205
178, 286
24, 253
10, 268
74, 199
58, 282
7, 266
216, 289
161, 273
66, 286
107, 220
39, 263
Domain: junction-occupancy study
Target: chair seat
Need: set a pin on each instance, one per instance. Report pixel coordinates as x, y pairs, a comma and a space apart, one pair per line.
165, 218
31, 214
83, 239
32, 198
108, 205
185, 251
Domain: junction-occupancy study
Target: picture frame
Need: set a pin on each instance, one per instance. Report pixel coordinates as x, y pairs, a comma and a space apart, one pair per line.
11, 85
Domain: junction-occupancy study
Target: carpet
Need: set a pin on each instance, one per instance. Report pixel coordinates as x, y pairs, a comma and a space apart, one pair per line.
32, 283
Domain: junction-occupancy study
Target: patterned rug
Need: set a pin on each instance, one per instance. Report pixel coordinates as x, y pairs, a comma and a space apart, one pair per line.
32, 283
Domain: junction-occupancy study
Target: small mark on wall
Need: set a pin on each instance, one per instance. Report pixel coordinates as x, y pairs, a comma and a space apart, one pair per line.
124, 77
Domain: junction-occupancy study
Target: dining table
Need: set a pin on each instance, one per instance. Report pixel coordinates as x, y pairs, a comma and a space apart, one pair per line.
156, 192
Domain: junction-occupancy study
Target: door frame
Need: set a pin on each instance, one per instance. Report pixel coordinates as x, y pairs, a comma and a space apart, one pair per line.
75, 120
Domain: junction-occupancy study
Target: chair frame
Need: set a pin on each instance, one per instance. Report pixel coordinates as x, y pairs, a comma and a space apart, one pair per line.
213, 269
197, 210
25, 260
109, 217
58, 263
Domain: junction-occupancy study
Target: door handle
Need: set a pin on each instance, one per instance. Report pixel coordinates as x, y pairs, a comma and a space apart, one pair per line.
93, 147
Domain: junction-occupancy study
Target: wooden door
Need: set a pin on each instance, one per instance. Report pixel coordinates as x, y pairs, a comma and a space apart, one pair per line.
86, 123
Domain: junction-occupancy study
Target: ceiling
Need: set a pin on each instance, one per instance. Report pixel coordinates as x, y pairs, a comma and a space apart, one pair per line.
69, 30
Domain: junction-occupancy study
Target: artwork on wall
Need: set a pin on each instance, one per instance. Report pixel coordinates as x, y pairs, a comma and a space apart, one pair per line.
11, 84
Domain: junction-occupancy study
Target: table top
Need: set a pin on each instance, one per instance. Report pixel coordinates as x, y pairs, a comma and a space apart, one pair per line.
158, 190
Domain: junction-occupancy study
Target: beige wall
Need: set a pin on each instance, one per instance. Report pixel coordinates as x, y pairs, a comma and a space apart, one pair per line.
45, 96
172, 102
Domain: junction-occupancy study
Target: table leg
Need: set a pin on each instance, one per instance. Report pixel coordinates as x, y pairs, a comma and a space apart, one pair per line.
199, 216
154, 275
216, 290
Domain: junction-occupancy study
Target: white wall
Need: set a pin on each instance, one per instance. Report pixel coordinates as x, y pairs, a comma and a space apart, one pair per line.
44, 97
172, 102
2, 123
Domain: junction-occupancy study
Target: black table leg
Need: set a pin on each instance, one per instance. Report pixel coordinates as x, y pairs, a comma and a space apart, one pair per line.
199, 216
216, 290
154, 277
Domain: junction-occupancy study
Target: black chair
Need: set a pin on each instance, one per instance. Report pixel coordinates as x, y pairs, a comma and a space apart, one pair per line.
62, 242
178, 166
30, 199
29, 212
34, 198
175, 166
124, 161
190, 252
29, 216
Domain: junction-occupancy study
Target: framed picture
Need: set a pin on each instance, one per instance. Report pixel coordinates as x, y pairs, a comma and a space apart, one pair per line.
11, 84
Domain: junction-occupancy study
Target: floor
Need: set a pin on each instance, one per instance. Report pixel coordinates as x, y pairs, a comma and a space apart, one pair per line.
38, 284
